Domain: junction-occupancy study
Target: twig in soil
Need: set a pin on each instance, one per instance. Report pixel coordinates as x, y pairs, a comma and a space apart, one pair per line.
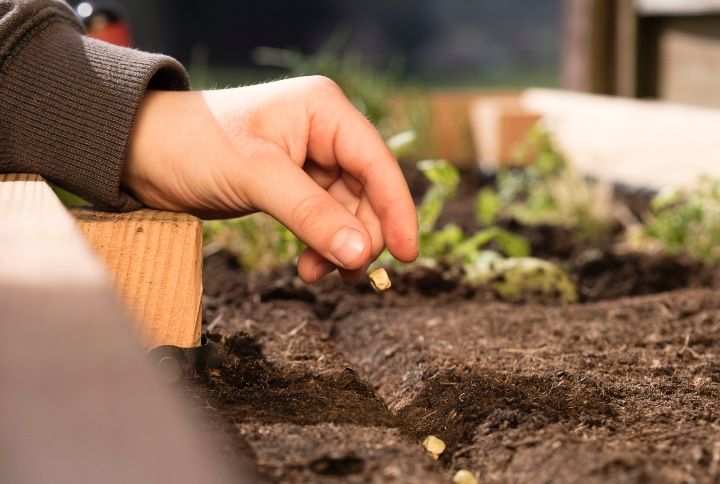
686, 349
465, 450
296, 329
218, 319
523, 350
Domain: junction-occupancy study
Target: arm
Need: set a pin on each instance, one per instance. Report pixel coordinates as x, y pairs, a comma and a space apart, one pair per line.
68, 102
75, 110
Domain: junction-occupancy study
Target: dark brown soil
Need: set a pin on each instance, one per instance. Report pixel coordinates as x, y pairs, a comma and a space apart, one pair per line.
334, 383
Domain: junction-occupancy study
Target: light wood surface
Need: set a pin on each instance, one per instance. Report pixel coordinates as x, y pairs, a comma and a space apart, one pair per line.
643, 143
79, 402
677, 7
154, 259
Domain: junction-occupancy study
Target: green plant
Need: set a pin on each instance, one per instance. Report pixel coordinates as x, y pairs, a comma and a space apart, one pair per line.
512, 277
688, 220
69, 199
548, 191
258, 241
450, 242
515, 277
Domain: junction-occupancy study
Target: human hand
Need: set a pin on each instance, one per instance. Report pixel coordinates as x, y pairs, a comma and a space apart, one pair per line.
296, 149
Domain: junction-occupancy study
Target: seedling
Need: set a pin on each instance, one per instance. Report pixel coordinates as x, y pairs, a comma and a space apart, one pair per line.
379, 280
688, 220
515, 277
464, 477
434, 446
548, 192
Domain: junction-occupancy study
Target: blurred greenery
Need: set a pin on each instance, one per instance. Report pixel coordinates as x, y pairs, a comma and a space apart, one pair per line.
69, 199
688, 220
547, 192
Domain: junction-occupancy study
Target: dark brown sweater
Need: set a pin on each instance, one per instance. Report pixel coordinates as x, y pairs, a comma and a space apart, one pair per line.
68, 102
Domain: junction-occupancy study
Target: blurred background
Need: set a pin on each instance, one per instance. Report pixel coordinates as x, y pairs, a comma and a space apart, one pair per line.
449, 43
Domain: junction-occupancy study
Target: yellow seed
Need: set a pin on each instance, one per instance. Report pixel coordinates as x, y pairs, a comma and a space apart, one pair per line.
464, 477
379, 280
434, 446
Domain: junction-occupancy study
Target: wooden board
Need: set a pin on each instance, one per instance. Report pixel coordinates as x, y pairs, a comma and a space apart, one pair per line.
643, 143
78, 402
588, 46
154, 259
500, 126
677, 7
689, 60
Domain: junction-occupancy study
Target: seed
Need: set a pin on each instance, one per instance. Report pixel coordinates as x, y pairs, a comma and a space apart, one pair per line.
379, 280
464, 477
434, 446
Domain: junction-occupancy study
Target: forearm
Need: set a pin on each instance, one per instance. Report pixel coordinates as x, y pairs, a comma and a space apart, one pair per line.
68, 102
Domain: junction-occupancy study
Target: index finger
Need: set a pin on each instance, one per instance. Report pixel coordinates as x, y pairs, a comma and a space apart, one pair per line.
340, 135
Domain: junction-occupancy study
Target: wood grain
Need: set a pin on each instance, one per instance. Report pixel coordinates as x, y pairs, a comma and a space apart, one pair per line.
154, 259
78, 402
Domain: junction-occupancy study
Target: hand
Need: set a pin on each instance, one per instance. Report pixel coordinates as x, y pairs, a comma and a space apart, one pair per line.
296, 149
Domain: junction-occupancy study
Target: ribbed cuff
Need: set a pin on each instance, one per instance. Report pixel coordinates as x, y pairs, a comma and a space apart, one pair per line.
67, 107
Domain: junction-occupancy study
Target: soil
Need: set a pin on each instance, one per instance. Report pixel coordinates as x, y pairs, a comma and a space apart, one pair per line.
335, 383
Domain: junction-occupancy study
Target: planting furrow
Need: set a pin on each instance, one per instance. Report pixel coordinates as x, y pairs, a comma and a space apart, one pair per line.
290, 400
523, 393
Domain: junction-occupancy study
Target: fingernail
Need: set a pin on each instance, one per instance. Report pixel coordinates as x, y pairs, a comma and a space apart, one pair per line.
323, 269
347, 245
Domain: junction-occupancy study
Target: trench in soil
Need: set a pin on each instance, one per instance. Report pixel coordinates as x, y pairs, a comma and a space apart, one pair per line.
332, 383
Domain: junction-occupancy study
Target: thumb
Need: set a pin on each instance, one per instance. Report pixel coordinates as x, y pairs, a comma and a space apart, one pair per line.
311, 213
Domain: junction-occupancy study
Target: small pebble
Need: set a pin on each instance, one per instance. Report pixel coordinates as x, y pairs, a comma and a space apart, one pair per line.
379, 280
434, 446
464, 477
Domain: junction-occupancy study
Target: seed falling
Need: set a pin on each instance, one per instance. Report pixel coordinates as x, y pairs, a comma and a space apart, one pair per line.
464, 477
379, 280
434, 446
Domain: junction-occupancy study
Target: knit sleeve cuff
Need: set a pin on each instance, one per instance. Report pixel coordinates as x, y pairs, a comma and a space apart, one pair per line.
68, 107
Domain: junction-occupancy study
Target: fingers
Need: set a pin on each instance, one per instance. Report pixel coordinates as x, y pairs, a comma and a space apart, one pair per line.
312, 266
367, 216
287, 193
340, 135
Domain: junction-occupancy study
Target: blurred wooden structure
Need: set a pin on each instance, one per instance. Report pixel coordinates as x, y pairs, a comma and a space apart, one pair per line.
644, 143
663, 49
500, 126
79, 403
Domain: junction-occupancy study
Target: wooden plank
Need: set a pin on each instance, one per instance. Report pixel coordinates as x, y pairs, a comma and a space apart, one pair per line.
500, 125
626, 48
644, 143
587, 58
154, 259
677, 7
689, 60
78, 402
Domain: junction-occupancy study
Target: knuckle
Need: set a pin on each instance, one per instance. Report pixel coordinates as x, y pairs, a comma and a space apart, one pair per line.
310, 213
323, 83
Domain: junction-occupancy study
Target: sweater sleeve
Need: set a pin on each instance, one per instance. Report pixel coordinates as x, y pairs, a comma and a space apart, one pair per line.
68, 102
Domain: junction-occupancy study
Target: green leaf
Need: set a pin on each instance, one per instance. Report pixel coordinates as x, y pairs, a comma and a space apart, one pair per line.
519, 277
444, 178
487, 206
